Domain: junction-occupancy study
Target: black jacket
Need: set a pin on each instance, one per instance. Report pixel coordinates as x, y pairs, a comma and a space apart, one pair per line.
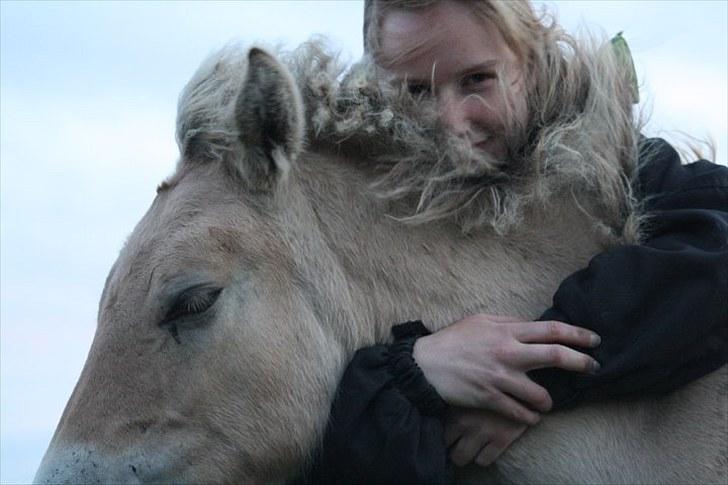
661, 309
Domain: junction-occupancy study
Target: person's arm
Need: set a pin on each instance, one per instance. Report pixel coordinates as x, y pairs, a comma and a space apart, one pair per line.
660, 307
386, 421
385, 424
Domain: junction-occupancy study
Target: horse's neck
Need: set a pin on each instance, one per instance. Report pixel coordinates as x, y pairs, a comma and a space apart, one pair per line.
381, 271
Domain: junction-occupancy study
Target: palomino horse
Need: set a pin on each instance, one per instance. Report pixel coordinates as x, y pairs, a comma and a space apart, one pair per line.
259, 269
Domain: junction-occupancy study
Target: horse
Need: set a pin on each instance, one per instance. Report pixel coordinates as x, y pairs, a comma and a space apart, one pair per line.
269, 257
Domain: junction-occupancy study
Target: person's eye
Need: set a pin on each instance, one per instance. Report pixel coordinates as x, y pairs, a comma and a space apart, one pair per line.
477, 80
418, 89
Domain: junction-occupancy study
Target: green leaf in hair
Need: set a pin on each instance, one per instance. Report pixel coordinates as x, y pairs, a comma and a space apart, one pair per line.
624, 57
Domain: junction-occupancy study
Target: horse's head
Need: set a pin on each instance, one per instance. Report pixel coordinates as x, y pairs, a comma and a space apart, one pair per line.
237, 299
209, 362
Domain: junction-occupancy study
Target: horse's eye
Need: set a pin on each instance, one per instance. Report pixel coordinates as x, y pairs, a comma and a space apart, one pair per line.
192, 301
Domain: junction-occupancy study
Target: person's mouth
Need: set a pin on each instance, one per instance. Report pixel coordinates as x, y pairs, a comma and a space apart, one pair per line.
482, 143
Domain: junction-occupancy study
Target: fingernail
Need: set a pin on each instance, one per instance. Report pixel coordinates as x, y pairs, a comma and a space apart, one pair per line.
595, 340
595, 366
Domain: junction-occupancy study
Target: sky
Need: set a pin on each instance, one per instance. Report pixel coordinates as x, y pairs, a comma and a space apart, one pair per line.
88, 95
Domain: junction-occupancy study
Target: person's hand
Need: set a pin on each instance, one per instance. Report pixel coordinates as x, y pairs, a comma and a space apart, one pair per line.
482, 360
478, 435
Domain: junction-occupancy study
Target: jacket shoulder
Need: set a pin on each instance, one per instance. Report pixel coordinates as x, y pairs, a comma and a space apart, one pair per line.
661, 173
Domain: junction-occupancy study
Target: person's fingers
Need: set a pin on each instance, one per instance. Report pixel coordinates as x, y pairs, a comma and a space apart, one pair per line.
524, 389
489, 453
555, 332
511, 409
500, 318
466, 449
538, 356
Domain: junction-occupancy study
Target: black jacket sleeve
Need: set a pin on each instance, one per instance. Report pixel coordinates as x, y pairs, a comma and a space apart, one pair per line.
385, 424
660, 307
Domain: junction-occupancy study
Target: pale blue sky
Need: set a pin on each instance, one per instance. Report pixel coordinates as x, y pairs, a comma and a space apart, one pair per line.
87, 108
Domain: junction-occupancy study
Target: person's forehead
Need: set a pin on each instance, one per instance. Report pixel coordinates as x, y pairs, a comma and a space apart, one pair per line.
447, 36
450, 22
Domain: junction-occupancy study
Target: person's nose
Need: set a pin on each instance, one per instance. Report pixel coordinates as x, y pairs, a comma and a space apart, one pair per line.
453, 113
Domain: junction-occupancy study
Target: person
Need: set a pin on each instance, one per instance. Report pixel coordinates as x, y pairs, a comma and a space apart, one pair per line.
641, 318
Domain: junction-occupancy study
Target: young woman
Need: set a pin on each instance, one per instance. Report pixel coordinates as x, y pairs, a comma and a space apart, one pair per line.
500, 77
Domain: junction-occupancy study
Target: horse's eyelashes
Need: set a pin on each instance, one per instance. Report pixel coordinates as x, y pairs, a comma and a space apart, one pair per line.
192, 301
200, 301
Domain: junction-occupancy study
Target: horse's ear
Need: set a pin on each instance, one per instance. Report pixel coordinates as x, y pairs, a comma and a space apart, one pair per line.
269, 116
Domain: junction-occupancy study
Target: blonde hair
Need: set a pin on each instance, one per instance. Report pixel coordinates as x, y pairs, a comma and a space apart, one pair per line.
580, 128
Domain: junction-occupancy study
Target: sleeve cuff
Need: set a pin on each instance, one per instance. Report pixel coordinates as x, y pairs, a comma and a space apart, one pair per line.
408, 377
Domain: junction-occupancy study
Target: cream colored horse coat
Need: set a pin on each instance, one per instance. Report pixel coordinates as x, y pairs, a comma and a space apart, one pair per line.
262, 266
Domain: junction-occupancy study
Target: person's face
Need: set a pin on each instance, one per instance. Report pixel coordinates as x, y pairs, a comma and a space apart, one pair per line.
446, 52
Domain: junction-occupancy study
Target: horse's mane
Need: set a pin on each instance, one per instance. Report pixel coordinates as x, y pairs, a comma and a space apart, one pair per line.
429, 173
